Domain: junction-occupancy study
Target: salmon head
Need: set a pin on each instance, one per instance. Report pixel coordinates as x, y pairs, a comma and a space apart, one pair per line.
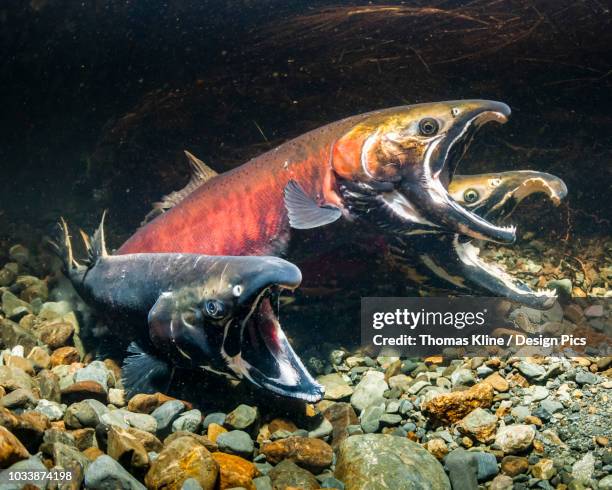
456, 261
495, 196
393, 167
226, 321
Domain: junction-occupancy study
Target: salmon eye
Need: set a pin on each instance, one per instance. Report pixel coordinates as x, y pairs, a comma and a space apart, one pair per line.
470, 196
214, 308
428, 126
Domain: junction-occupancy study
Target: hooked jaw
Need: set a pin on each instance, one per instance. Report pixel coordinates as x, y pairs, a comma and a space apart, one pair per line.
457, 261
255, 346
441, 160
494, 280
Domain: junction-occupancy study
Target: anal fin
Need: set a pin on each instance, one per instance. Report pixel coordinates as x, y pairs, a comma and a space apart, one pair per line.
143, 373
304, 212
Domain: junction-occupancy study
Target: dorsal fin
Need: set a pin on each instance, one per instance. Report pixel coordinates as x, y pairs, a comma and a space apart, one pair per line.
200, 173
95, 245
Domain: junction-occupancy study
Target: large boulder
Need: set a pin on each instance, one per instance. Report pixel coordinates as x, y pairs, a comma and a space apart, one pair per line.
380, 461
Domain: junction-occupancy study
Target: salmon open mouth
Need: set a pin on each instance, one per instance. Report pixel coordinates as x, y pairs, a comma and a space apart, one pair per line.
256, 348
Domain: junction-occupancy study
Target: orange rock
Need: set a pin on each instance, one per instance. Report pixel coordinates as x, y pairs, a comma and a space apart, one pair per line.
497, 382
538, 446
514, 465
64, 355
214, 430
82, 390
11, 449
143, 403
180, 460
203, 440
452, 407
532, 419
91, 453
235, 471
312, 454
434, 360
437, 447
281, 424
8, 419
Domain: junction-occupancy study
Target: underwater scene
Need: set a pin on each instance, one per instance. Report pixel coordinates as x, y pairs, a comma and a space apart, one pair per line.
306, 244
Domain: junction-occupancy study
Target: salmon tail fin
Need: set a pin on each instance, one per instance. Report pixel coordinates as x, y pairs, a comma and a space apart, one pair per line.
96, 244
62, 246
200, 173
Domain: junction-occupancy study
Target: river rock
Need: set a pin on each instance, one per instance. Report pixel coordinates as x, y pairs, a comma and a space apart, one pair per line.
107, 474
183, 458
370, 418
64, 356
86, 413
94, 371
55, 334
11, 449
583, 469
514, 465
146, 403
213, 418
462, 469
369, 390
544, 469
14, 307
203, 440
48, 386
33, 463
53, 410
586, 378
189, 421
452, 407
131, 446
336, 386
242, 417
312, 454
513, 439
324, 429
166, 414
236, 442
480, 424
502, 482
235, 471
531, 370
20, 398
341, 416
287, 475
14, 378
39, 357
385, 461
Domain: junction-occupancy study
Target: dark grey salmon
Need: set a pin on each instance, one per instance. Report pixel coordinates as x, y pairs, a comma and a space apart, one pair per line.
194, 311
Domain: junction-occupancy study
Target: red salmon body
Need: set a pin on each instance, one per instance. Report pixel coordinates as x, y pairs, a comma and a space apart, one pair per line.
242, 212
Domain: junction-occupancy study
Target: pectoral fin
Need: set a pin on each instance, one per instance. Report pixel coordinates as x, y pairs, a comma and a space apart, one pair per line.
144, 373
304, 212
